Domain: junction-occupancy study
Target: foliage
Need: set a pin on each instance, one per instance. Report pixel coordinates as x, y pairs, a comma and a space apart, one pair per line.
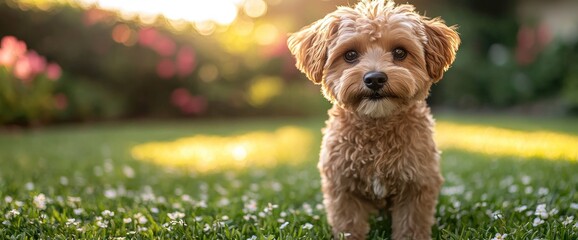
27, 83
108, 194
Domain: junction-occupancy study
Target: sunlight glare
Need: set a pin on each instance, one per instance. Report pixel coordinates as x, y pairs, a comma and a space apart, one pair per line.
205, 153
496, 141
222, 12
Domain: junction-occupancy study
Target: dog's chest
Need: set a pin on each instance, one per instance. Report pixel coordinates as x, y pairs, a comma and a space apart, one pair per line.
375, 164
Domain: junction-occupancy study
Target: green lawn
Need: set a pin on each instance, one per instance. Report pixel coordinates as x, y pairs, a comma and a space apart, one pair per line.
71, 182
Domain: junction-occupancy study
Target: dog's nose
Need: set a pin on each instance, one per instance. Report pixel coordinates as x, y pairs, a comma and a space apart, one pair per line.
374, 80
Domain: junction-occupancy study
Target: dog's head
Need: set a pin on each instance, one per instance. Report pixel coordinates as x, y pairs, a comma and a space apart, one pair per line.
375, 57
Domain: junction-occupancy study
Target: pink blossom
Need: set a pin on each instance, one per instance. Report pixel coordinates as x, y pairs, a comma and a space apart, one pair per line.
37, 63
10, 50
166, 69
147, 36
22, 69
164, 46
185, 61
53, 71
188, 103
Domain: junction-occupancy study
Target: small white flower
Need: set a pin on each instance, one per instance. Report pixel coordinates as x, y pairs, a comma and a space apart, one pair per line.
127, 220
543, 191
568, 220
500, 236
110, 193
142, 229
574, 206
154, 210
224, 218
177, 215
107, 213
284, 225
12, 213
140, 218
537, 221
29, 186
6, 222
8, 199
280, 220
128, 171
78, 211
521, 208
252, 238
497, 215
541, 211
307, 226
19, 203
101, 223
64, 180
40, 201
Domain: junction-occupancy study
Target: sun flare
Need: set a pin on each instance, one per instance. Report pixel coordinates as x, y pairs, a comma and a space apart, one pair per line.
206, 153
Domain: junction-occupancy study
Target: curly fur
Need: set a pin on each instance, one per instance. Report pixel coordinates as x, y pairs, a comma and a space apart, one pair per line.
378, 153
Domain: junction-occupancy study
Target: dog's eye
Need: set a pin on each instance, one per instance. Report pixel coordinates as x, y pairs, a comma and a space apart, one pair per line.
351, 56
399, 54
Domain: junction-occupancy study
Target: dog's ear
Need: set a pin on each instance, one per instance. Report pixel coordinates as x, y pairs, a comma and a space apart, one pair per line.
442, 45
310, 45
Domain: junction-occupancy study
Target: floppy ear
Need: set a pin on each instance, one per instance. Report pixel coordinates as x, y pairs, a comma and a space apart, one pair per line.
442, 45
310, 44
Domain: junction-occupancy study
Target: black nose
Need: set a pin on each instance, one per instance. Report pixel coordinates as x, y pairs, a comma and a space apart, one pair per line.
374, 80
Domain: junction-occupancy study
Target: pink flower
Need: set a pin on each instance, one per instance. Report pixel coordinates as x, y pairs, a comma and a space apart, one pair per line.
185, 61
37, 63
53, 71
166, 69
147, 36
22, 69
188, 103
10, 50
164, 46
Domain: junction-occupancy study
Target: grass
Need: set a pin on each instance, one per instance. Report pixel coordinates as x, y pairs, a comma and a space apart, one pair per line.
86, 182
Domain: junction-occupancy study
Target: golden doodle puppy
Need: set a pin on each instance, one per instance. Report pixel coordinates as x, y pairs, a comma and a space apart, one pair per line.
376, 62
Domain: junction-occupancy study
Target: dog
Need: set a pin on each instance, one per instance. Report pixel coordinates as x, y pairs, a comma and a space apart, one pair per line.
376, 62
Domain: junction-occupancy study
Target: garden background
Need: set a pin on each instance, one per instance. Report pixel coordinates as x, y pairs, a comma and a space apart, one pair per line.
171, 119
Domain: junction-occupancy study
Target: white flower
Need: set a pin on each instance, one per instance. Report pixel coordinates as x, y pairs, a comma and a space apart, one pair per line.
127, 220
307, 226
110, 193
497, 215
128, 171
101, 223
541, 211
252, 238
154, 210
8, 199
574, 206
64, 180
78, 211
40, 201
521, 208
537, 221
568, 220
500, 236
12, 213
140, 218
177, 215
284, 225
29, 186
543, 191
142, 229
107, 213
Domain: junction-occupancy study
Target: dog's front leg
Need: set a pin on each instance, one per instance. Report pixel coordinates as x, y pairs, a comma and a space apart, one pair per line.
413, 215
347, 214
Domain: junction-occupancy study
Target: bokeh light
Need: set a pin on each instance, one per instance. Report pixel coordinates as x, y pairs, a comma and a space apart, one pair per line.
209, 153
495, 141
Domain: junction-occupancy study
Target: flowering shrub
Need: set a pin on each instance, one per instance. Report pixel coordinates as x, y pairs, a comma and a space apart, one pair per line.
27, 83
